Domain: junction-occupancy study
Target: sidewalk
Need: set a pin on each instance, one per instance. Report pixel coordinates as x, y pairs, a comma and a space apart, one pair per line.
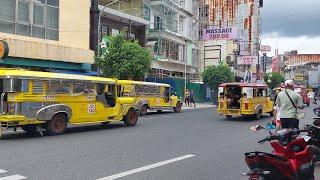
198, 106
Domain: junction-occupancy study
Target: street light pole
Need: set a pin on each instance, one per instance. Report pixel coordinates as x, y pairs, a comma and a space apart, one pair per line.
99, 31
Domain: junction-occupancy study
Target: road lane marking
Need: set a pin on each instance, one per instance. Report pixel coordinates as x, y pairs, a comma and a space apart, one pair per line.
13, 177
3, 171
145, 168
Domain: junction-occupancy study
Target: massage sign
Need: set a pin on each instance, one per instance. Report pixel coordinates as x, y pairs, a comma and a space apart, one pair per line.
4, 49
225, 33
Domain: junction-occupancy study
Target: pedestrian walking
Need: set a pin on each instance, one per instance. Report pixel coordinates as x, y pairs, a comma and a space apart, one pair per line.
289, 102
192, 99
186, 97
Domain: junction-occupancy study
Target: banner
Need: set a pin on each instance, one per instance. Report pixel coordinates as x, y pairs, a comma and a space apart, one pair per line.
225, 33
247, 60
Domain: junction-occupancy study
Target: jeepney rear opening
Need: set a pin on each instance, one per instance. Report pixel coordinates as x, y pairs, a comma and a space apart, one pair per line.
233, 96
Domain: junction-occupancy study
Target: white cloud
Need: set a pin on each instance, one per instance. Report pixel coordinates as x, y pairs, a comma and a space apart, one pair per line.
304, 44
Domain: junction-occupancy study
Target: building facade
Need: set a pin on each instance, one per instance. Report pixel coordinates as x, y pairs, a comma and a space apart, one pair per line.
113, 22
47, 33
242, 15
172, 34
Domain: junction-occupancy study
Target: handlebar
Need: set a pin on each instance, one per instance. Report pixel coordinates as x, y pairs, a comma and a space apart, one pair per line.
294, 133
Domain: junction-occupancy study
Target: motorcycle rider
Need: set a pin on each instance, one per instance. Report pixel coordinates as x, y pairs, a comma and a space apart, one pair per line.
289, 102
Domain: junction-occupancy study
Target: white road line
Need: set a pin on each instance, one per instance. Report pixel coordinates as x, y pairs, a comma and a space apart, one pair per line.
13, 177
3, 171
145, 168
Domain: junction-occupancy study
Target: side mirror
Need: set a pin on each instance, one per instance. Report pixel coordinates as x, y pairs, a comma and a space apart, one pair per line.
256, 128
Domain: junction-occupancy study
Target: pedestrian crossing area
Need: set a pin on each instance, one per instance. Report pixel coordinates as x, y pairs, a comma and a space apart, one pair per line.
5, 175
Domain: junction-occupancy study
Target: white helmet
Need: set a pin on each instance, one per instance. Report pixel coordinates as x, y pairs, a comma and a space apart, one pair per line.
288, 83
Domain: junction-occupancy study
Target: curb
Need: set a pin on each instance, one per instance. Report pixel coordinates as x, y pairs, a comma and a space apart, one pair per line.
192, 109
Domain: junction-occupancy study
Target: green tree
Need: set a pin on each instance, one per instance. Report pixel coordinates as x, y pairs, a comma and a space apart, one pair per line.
124, 59
215, 75
273, 79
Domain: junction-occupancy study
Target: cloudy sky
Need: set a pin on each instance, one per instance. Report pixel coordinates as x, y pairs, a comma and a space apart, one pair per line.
291, 24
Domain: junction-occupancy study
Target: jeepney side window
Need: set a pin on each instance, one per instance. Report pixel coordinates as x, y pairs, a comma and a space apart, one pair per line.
38, 86
260, 92
101, 88
83, 87
59, 87
221, 92
120, 92
110, 94
264, 92
25, 85
248, 92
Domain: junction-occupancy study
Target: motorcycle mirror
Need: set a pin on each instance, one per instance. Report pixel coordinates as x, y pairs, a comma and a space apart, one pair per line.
255, 128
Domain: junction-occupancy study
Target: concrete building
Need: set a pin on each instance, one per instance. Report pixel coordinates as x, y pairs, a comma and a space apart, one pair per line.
244, 17
172, 35
302, 68
113, 21
47, 33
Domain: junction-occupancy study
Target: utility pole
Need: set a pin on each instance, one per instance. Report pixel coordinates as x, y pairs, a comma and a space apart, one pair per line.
94, 18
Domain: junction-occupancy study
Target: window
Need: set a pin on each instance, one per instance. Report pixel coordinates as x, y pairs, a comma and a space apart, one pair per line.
59, 87
81, 87
36, 18
38, 86
115, 32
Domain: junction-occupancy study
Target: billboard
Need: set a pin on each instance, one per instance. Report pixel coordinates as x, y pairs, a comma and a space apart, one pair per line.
224, 33
265, 48
247, 60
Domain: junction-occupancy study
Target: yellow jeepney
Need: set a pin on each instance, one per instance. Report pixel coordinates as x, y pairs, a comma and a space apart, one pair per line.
37, 101
237, 99
150, 96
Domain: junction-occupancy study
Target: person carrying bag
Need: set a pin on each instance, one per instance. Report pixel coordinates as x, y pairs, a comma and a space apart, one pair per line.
289, 102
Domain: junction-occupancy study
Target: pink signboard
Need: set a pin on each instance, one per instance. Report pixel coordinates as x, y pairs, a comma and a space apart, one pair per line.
225, 33
247, 60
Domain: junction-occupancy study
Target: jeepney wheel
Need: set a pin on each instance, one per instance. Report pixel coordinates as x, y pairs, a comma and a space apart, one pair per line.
144, 110
131, 117
57, 125
29, 128
258, 115
159, 111
177, 109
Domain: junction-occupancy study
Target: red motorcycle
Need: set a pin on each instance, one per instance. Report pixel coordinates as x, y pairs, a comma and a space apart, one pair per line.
292, 158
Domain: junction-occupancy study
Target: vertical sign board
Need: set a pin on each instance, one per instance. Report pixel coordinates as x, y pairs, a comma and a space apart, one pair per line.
250, 73
264, 62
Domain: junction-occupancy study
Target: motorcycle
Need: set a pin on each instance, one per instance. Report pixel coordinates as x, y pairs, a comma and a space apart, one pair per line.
292, 157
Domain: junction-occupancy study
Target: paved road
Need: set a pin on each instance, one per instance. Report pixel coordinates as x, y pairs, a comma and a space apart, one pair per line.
191, 145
